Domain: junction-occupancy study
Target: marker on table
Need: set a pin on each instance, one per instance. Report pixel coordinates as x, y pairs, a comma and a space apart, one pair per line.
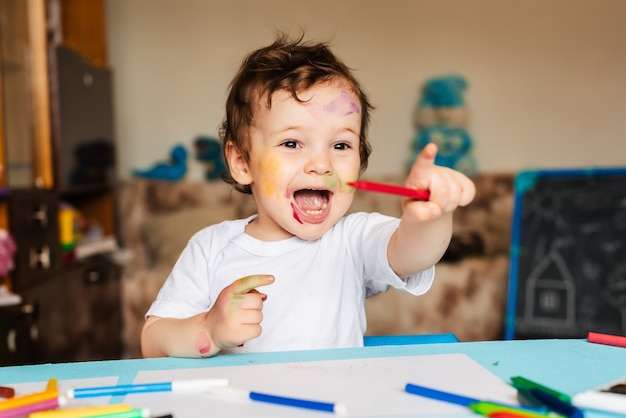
182, 386
535, 393
507, 414
241, 394
417, 194
608, 397
460, 399
6, 392
131, 413
25, 400
601, 401
27, 409
519, 382
90, 411
490, 408
616, 340
440, 395
555, 404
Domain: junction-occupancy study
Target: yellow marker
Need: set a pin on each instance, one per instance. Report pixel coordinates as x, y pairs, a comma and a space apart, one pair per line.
133, 413
52, 385
82, 412
29, 399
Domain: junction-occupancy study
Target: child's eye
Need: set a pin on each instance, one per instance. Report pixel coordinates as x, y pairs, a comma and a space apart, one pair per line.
290, 144
342, 146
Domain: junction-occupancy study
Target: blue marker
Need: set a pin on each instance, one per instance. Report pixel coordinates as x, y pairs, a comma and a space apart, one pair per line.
182, 386
555, 404
440, 395
459, 399
234, 393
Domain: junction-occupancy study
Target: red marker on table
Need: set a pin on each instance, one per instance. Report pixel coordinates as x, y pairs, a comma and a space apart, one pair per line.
616, 340
507, 415
417, 194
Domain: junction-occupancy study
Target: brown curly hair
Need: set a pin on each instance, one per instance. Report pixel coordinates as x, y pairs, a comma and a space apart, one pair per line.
287, 64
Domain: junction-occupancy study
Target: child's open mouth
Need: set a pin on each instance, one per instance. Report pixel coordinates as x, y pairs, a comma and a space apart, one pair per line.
311, 205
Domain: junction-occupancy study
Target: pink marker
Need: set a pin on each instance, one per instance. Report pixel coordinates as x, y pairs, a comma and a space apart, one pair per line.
616, 340
370, 186
30, 408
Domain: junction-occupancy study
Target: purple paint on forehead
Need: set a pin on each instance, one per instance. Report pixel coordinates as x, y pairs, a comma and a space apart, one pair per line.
353, 108
344, 100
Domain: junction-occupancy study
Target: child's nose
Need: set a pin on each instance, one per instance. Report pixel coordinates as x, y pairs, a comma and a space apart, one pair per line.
319, 163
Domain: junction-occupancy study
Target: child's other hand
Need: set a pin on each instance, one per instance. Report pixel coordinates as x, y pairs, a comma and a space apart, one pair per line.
237, 314
449, 188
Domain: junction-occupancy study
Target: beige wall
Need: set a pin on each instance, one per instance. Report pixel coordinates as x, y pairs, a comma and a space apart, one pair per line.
547, 77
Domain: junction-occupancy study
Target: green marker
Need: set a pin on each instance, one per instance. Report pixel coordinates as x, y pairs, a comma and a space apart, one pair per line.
488, 408
522, 383
132, 413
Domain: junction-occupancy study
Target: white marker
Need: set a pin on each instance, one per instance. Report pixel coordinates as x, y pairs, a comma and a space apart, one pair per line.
183, 386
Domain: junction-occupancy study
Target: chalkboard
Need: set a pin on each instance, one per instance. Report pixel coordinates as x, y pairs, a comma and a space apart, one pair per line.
567, 271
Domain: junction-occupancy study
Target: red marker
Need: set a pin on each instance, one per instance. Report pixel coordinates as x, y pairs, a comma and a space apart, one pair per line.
390, 189
507, 415
616, 340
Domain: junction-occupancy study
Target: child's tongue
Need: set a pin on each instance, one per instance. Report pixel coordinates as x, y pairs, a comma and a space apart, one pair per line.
310, 199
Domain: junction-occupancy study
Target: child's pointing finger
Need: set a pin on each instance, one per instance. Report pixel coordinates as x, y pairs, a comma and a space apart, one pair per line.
250, 283
419, 177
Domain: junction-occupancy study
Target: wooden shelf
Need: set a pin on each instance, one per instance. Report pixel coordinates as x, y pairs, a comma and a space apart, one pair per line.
48, 117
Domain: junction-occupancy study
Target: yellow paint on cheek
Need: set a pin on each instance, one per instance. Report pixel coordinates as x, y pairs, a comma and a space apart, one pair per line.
270, 169
330, 182
344, 187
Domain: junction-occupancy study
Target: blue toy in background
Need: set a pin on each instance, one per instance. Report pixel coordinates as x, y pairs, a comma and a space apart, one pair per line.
444, 92
172, 170
454, 146
209, 152
441, 118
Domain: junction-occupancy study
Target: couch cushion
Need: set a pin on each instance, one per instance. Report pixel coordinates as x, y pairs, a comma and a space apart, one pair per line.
467, 298
166, 234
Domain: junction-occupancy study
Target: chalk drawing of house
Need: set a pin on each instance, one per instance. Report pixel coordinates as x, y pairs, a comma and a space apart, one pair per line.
551, 294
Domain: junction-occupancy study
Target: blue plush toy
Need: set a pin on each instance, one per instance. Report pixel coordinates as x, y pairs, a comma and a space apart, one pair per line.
441, 118
454, 146
172, 170
209, 151
444, 92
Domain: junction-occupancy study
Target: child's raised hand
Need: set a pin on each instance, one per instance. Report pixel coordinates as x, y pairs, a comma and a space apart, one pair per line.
448, 188
236, 315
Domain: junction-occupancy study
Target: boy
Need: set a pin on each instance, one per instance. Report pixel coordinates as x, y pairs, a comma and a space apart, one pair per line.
294, 136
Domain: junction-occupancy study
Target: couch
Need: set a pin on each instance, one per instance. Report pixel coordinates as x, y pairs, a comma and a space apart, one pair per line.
468, 297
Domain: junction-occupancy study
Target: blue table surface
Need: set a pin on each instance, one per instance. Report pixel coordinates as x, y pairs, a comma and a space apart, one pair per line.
570, 366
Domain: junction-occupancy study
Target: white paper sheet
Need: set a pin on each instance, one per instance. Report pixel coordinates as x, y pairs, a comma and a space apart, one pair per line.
368, 387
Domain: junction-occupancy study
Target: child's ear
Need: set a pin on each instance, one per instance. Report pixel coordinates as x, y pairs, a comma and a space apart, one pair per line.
237, 164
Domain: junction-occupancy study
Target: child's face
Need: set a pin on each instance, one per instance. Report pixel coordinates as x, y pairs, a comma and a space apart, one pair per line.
301, 157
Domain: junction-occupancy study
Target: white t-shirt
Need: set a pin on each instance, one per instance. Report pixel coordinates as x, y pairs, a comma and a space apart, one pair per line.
318, 297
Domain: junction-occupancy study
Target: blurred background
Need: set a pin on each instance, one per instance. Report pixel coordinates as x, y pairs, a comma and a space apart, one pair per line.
546, 85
